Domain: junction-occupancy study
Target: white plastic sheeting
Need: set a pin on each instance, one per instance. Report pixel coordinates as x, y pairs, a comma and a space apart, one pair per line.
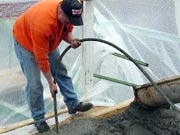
147, 30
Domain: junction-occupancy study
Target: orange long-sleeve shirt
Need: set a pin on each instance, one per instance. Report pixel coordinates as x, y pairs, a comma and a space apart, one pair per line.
39, 31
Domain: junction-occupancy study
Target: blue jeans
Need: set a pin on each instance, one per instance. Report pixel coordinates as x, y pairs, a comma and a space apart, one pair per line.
34, 87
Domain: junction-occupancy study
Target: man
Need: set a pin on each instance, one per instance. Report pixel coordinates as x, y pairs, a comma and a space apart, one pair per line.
37, 34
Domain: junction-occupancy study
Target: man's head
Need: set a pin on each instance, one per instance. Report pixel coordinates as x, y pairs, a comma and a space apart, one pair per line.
70, 12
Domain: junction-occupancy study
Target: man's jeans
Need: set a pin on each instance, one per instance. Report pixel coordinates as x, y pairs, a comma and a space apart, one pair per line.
34, 88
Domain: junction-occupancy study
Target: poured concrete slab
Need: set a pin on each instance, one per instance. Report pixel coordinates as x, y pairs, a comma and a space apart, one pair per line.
135, 120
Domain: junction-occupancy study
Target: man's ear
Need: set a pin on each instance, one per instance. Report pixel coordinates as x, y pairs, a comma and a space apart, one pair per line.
59, 10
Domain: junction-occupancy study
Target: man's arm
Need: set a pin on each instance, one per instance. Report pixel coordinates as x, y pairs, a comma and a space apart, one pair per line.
75, 43
52, 86
41, 50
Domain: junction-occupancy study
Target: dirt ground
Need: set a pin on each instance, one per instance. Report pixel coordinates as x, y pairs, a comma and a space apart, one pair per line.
133, 121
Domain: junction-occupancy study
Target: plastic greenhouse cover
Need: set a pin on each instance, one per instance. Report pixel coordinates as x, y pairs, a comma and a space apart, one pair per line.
148, 30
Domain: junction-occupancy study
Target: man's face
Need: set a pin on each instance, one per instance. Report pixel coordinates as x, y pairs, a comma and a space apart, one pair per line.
62, 17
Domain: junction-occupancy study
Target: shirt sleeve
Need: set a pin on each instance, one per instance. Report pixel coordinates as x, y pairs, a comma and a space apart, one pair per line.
69, 28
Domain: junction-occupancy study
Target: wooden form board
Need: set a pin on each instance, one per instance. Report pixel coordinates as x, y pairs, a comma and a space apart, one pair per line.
99, 112
28, 122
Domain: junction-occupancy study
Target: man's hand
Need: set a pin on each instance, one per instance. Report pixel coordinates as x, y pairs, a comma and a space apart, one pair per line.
75, 43
52, 85
53, 89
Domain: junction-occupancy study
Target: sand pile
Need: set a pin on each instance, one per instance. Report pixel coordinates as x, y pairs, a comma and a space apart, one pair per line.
133, 121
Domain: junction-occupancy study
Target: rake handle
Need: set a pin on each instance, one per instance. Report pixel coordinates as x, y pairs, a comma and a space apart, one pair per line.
55, 113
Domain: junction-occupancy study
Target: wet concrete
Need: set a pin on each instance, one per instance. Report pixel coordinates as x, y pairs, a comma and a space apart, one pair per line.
133, 121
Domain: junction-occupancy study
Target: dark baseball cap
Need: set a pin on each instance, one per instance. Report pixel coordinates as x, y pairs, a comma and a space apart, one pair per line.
73, 9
